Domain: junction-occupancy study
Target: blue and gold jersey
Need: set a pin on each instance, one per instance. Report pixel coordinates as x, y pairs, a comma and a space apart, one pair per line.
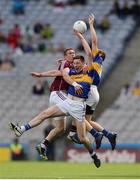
81, 78
95, 71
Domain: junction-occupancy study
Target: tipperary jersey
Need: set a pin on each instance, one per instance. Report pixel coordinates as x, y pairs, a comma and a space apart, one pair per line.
83, 79
96, 70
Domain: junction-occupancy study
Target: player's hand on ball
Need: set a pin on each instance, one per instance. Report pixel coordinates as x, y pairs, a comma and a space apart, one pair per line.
77, 33
35, 74
80, 26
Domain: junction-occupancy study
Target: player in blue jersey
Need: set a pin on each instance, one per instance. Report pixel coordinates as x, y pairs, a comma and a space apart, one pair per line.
93, 96
59, 86
73, 104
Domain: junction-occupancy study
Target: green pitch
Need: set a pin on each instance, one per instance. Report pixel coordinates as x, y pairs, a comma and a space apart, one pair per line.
64, 170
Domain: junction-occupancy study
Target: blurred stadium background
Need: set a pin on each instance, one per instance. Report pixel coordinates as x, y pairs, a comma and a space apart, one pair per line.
33, 35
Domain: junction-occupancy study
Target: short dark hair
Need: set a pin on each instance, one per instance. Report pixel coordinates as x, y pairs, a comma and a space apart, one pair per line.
66, 50
102, 54
80, 57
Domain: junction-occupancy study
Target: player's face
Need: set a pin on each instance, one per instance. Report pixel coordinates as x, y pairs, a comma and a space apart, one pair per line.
70, 55
78, 65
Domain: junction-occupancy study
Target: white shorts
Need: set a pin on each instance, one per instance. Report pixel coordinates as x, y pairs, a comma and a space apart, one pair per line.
74, 108
55, 99
93, 97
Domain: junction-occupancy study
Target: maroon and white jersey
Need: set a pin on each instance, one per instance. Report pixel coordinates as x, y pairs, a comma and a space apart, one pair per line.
59, 83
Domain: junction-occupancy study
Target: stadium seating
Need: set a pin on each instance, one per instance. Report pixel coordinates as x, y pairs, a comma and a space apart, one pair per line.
123, 115
18, 103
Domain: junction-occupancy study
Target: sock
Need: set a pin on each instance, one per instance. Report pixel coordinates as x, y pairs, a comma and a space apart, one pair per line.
25, 127
72, 133
92, 154
91, 151
106, 133
45, 142
94, 133
43, 146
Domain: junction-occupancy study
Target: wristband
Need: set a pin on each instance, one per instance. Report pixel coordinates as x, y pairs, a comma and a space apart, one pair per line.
75, 84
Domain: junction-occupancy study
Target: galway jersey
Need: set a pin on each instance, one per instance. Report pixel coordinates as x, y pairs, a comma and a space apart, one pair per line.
95, 71
59, 83
83, 79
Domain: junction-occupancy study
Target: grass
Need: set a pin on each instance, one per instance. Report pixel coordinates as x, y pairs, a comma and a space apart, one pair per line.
64, 170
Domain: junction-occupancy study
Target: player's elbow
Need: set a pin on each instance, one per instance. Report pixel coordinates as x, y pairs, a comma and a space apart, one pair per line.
95, 42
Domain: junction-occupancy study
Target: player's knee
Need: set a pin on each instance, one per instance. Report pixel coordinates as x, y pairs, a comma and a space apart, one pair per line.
43, 115
61, 129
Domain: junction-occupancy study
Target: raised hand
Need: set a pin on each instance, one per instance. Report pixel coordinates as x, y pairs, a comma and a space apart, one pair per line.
78, 34
91, 19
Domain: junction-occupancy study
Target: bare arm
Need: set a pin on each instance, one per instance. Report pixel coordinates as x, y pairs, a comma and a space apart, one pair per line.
67, 78
86, 47
92, 32
51, 73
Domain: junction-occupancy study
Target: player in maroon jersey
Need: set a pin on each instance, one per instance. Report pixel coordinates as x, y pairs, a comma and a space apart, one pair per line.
59, 84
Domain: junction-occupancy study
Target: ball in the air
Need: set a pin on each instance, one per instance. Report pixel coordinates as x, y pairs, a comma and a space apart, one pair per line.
80, 26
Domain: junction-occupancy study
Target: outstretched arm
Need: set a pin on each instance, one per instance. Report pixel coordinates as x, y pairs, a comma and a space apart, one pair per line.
93, 33
51, 73
86, 47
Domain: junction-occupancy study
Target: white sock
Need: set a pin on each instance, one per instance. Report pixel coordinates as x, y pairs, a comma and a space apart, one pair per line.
22, 128
72, 133
43, 145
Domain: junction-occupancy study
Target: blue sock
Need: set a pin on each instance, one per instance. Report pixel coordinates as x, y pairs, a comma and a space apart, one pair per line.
27, 127
106, 133
94, 133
